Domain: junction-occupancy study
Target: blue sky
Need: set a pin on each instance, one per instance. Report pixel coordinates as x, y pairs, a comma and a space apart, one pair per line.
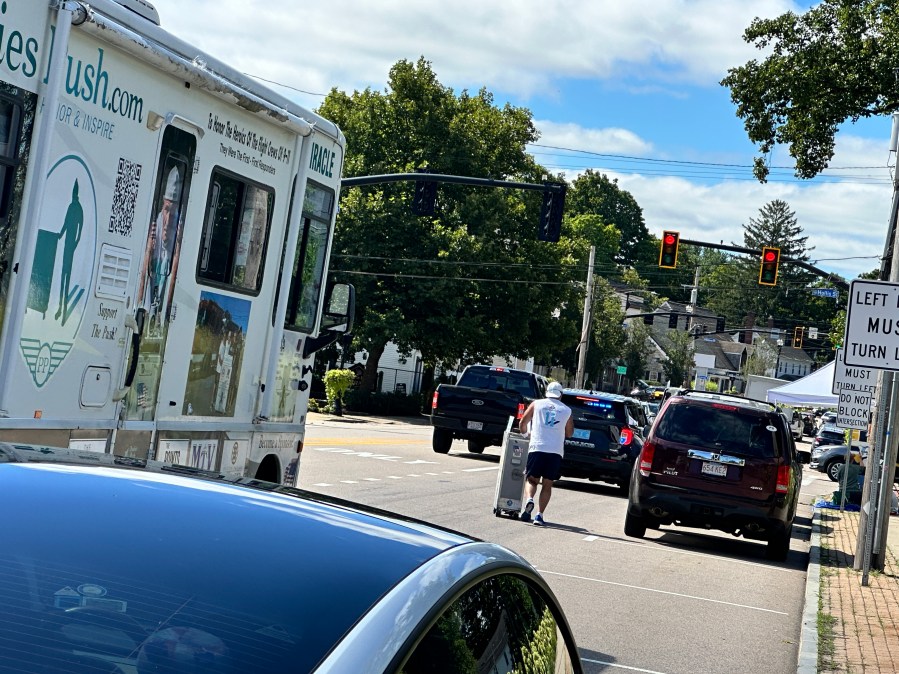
604, 79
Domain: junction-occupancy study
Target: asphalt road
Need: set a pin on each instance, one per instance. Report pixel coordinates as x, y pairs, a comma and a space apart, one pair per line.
679, 601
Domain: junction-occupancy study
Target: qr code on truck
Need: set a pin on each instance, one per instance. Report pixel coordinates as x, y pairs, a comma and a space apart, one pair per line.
124, 198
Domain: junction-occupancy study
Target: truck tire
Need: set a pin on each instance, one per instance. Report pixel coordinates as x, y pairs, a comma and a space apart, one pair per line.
476, 446
442, 440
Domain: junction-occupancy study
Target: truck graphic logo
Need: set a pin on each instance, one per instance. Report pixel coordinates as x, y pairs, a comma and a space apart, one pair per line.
62, 269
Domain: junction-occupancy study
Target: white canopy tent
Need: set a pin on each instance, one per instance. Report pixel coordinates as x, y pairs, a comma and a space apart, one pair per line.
811, 391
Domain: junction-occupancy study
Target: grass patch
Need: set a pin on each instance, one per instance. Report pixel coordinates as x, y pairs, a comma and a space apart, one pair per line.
826, 640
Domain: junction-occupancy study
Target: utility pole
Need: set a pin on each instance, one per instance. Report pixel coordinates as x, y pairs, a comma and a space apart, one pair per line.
587, 324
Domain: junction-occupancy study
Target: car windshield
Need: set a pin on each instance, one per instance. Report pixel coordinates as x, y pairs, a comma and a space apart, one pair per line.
722, 428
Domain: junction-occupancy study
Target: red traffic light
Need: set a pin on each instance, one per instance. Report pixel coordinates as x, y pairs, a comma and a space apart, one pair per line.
668, 253
768, 267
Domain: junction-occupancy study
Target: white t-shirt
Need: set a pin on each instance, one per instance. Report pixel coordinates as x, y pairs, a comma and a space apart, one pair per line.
547, 426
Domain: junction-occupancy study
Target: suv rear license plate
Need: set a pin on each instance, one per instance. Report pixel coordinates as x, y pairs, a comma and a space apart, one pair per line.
581, 434
716, 469
476, 425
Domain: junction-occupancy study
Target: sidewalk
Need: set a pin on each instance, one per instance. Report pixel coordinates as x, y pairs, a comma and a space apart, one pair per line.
360, 418
849, 628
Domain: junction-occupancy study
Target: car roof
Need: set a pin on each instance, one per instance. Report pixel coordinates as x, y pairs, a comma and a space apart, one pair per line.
738, 401
170, 535
599, 395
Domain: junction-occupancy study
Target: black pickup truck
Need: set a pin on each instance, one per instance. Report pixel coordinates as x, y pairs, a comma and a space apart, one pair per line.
478, 408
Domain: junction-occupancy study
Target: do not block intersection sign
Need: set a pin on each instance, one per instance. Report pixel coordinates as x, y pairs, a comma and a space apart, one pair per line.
855, 388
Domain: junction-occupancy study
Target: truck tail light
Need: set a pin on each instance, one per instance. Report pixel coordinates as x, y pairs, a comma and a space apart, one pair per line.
434, 401
646, 456
784, 473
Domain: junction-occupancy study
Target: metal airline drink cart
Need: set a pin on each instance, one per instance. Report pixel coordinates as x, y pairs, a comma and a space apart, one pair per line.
510, 481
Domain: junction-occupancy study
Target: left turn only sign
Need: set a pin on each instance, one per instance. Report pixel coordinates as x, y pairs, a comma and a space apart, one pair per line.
872, 325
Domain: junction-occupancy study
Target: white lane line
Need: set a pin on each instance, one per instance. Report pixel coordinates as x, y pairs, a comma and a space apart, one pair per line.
350, 481
478, 470
413, 475
673, 594
447, 472
420, 461
372, 479
394, 477
323, 484
338, 450
590, 538
432, 473
617, 666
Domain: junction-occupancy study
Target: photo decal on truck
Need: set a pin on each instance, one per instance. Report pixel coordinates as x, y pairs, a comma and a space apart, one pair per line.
62, 270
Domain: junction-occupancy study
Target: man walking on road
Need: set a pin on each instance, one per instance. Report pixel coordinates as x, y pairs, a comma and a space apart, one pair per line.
552, 423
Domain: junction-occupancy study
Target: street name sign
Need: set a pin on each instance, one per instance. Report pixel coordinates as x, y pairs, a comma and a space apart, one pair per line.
872, 325
825, 292
855, 387
621, 369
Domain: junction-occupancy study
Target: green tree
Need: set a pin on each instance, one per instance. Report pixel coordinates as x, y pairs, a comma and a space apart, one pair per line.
837, 61
759, 361
734, 289
637, 349
680, 357
595, 194
471, 281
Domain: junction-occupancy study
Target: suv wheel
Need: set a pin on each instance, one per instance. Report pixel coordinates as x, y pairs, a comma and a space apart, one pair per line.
779, 544
833, 469
476, 446
442, 440
634, 526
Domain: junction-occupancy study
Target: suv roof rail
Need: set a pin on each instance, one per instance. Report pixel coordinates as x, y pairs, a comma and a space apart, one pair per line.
747, 402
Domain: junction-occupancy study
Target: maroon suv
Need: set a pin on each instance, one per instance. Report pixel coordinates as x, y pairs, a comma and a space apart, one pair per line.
715, 461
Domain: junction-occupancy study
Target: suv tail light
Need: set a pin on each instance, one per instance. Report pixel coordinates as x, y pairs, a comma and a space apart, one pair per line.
646, 456
783, 479
520, 412
434, 401
626, 437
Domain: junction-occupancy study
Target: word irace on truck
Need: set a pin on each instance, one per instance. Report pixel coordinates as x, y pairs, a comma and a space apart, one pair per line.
162, 291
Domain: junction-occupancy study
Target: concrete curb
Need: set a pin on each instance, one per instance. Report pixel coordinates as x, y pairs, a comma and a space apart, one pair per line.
808, 637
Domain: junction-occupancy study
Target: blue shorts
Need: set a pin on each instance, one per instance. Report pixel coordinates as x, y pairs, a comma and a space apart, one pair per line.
544, 465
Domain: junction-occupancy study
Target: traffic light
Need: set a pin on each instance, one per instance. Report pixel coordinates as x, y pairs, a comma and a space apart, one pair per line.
425, 198
672, 321
647, 319
668, 253
798, 331
551, 212
719, 324
768, 269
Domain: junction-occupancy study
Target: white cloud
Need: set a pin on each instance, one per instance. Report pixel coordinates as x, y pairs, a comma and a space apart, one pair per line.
611, 141
518, 47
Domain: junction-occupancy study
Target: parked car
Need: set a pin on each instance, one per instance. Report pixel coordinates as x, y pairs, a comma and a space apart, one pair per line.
715, 461
794, 421
829, 435
829, 458
607, 438
641, 390
118, 565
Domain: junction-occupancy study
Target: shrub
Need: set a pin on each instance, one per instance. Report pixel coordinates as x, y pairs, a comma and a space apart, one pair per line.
386, 404
337, 383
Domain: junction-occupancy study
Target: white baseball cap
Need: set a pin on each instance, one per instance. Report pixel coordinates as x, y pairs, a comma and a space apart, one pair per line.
554, 390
